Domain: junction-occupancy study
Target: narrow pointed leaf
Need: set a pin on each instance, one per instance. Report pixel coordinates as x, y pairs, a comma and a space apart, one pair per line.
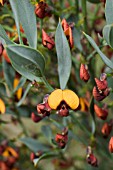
27, 61
103, 57
28, 20
4, 36
108, 34
109, 11
34, 145
14, 7
63, 55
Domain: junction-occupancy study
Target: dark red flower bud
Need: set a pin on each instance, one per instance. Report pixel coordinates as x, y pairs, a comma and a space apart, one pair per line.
36, 118
101, 113
102, 85
91, 159
106, 129
42, 10
111, 145
99, 95
47, 41
68, 32
62, 139
84, 74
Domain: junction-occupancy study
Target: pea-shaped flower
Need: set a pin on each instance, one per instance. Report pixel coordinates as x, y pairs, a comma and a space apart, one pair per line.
63, 100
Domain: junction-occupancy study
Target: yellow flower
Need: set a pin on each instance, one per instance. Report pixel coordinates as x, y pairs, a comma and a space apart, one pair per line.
58, 96
2, 107
1, 1
19, 91
10, 152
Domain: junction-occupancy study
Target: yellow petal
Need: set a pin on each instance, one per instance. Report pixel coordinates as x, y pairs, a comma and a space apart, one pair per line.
1, 1
70, 98
82, 104
55, 98
19, 91
10, 152
2, 106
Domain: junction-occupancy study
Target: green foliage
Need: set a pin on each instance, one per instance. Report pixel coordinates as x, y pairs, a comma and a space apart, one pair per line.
63, 55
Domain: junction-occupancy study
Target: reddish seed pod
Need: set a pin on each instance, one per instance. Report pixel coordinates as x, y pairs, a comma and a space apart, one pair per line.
106, 129
111, 145
102, 85
35, 118
101, 113
47, 41
84, 74
99, 95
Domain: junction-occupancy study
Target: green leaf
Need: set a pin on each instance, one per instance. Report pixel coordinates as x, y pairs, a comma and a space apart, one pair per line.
77, 38
46, 130
4, 36
45, 156
24, 96
3, 91
9, 74
27, 61
108, 34
14, 6
28, 21
63, 55
103, 57
34, 145
109, 11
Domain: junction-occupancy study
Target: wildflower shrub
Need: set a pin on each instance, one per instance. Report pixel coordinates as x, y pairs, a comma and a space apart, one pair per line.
56, 85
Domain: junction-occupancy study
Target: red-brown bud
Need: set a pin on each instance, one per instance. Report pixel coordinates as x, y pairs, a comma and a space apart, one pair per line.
99, 95
111, 145
102, 85
101, 113
42, 10
106, 129
35, 118
68, 32
84, 74
91, 159
47, 41
62, 139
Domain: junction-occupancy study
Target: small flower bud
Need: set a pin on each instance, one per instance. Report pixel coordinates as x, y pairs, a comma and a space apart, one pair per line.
62, 139
47, 41
99, 95
84, 74
42, 10
106, 129
91, 159
68, 32
35, 118
101, 113
102, 85
111, 145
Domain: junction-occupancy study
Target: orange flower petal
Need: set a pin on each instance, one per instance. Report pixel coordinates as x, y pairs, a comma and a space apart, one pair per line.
70, 98
1, 1
10, 152
2, 107
55, 98
19, 91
